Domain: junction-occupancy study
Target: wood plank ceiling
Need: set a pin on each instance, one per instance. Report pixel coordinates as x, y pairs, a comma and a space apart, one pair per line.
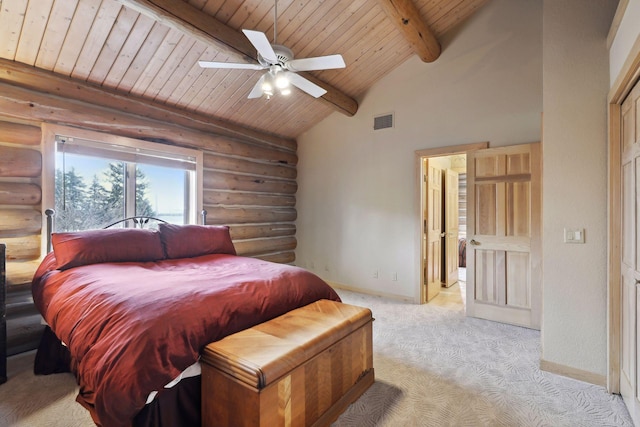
111, 44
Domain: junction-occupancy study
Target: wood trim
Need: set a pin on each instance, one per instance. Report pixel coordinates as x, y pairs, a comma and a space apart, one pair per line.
614, 290
420, 296
451, 150
629, 75
406, 17
576, 374
615, 24
207, 29
536, 233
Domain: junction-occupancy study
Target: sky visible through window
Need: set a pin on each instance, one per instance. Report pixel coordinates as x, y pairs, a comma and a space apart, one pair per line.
165, 189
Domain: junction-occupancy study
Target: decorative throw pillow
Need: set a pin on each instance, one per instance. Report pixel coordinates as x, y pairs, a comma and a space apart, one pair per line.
186, 241
78, 248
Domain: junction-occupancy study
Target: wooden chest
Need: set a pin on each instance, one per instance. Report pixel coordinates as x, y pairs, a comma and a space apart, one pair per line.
300, 369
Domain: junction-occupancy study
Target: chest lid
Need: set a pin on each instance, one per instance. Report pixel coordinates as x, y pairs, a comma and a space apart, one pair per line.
260, 355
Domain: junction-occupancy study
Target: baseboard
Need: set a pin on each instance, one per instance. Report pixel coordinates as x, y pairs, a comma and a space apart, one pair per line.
396, 297
576, 374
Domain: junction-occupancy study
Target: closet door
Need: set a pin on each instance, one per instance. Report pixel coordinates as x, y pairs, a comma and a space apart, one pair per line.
630, 259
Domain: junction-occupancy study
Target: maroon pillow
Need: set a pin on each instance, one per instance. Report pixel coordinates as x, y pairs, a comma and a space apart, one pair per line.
186, 241
112, 245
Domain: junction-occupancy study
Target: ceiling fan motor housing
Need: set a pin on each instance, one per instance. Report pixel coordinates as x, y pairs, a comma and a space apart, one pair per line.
283, 53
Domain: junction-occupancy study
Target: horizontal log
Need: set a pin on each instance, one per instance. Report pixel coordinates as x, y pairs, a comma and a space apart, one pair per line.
232, 164
16, 133
265, 246
215, 197
222, 145
21, 273
17, 102
240, 232
15, 193
22, 221
230, 215
48, 82
20, 162
280, 257
213, 180
23, 248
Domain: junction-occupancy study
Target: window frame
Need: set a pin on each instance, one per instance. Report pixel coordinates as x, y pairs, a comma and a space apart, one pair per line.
49, 133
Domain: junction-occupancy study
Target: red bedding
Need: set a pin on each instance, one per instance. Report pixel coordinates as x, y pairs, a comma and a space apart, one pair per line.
133, 327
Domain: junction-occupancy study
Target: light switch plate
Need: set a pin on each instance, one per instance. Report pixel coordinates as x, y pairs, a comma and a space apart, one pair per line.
574, 235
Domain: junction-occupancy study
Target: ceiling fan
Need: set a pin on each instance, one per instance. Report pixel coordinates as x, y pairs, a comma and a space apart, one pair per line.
281, 66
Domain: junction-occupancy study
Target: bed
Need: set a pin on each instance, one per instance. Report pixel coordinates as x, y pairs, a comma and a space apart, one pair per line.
129, 311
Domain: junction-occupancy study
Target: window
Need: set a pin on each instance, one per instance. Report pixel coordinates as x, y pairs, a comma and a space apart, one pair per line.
99, 179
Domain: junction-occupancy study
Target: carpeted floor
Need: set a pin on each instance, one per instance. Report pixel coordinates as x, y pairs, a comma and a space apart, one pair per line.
433, 366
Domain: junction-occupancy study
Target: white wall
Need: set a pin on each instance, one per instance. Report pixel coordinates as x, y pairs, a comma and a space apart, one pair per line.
576, 82
358, 189
627, 34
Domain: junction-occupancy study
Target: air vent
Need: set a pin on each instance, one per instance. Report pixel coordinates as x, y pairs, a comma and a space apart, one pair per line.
383, 122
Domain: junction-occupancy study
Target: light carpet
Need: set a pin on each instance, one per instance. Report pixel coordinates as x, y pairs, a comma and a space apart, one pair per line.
433, 366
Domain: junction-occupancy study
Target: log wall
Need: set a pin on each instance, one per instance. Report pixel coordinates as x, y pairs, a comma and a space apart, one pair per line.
249, 180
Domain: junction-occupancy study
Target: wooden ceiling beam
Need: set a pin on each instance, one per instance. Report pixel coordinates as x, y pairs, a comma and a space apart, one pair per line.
207, 29
407, 19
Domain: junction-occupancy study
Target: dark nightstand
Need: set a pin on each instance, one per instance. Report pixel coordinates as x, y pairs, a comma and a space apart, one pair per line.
3, 315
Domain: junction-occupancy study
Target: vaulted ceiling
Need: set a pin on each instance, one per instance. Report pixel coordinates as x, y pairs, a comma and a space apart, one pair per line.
150, 49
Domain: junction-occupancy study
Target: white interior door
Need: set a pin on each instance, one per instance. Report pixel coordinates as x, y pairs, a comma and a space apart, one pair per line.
630, 259
504, 277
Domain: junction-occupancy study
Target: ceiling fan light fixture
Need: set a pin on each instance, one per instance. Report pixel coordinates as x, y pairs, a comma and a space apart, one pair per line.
281, 65
267, 84
282, 82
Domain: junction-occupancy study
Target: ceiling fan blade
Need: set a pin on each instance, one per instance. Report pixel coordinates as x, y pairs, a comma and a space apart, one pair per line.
261, 43
318, 63
232, 65
305, 85
256, 92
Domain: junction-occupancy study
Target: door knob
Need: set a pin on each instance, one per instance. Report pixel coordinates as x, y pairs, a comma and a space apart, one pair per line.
474, 242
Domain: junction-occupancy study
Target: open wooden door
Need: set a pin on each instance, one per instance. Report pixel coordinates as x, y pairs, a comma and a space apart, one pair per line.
630, 259
451, 227
432, 231
504, 250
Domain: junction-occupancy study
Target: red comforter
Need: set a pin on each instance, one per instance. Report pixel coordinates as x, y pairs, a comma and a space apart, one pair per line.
133, 327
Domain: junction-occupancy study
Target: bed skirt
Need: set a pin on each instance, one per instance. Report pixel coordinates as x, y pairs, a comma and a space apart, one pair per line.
176, 406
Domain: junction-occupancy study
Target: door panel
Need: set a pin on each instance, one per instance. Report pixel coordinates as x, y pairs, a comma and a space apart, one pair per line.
486, 196
451, 227
504, 278
433, 230
518, 209
630, 253
487, 263
518, 279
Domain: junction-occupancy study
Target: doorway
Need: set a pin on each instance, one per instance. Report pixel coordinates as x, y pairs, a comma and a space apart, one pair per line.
440, 247
445, 234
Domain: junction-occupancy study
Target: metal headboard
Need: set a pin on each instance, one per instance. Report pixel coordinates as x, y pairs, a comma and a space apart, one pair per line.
139, 221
